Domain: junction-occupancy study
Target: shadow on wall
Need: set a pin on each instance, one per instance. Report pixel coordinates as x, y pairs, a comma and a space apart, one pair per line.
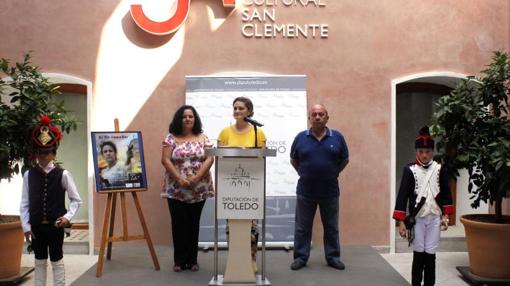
141, 86
141, 38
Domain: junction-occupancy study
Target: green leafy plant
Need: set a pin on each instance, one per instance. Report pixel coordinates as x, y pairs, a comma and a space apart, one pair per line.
473, 129
25, 95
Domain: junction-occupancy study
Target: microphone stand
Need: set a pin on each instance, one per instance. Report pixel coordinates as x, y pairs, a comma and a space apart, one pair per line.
255, 125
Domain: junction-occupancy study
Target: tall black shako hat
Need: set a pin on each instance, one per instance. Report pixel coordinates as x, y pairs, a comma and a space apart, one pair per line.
424, 140
45, 136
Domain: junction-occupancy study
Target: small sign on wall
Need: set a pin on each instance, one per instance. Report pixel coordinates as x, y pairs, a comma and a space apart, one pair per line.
240, 193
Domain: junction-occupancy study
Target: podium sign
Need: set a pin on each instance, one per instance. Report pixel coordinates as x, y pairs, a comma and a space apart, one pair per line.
240, 191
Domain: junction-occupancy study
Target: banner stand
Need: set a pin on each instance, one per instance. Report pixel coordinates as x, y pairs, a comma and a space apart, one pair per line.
240, 197
279, 100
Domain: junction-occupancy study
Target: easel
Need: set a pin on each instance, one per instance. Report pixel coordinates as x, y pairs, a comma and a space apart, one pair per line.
109, 222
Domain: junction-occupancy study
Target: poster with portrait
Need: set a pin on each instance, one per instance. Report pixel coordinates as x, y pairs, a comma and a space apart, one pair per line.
118, 161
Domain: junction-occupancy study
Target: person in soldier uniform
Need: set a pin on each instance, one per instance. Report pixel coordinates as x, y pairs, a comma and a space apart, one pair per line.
424, 187
42, 210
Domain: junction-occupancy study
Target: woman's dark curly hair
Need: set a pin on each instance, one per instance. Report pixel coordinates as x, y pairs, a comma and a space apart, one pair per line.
176, 124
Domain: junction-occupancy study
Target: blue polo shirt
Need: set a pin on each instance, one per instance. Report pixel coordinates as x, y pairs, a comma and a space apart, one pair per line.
319, 163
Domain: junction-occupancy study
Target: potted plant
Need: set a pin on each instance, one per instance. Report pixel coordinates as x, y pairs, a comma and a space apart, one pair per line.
25, 95
473, 129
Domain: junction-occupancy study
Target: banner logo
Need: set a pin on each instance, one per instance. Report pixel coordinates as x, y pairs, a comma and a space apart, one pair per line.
171, 25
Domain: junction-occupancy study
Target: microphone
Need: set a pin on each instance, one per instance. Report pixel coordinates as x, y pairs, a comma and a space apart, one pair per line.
253, 121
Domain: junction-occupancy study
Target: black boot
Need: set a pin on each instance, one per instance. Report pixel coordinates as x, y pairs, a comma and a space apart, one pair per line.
417, 272
430, 269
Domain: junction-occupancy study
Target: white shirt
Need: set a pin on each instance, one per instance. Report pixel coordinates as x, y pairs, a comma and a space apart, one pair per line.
67, 184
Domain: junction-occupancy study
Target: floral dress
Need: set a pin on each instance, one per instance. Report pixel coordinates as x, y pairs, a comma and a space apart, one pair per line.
187, 158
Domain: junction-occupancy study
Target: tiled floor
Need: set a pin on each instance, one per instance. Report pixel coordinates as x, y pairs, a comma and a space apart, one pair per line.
76, 265
446, 272
80, 235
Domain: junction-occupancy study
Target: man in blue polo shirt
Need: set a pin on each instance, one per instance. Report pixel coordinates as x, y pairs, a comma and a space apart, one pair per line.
318, 154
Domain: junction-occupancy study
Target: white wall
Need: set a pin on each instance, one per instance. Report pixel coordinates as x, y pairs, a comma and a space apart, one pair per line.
463, 201
10, 195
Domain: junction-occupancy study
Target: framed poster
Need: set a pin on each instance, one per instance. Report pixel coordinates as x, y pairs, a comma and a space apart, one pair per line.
118, 161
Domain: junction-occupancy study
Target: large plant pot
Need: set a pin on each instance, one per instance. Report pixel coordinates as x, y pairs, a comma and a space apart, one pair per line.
11, 247
488, 245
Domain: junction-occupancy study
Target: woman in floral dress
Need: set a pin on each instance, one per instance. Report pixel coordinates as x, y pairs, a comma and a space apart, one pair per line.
187, 183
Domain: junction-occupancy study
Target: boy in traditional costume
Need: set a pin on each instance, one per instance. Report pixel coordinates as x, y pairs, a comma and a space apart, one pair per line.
424, 186
42, 209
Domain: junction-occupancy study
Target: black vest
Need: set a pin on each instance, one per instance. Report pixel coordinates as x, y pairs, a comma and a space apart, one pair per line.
46, 195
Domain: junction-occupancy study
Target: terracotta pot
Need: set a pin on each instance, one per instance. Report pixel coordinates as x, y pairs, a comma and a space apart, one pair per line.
11, 248
488, 245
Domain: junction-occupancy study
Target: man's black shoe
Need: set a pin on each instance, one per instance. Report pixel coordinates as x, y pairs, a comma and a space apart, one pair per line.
337, 265
297, 264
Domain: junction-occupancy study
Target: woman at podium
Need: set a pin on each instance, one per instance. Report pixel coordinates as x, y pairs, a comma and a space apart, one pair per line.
242, 134
187, 183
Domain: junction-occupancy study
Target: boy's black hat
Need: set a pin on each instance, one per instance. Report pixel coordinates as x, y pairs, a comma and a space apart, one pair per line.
424, 140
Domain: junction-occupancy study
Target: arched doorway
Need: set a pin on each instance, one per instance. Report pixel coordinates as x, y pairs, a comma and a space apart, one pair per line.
74, 150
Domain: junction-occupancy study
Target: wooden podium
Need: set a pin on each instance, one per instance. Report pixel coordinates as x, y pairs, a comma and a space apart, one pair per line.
240, 197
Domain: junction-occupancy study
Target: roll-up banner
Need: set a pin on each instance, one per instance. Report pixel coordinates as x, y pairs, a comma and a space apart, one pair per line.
280, 104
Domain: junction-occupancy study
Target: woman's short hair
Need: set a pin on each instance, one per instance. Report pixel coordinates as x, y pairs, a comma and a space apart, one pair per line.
246, 102
109, 143
176, 124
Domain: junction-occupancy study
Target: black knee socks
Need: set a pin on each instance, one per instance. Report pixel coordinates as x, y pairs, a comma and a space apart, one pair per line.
417, 270
430, 269
424, 264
